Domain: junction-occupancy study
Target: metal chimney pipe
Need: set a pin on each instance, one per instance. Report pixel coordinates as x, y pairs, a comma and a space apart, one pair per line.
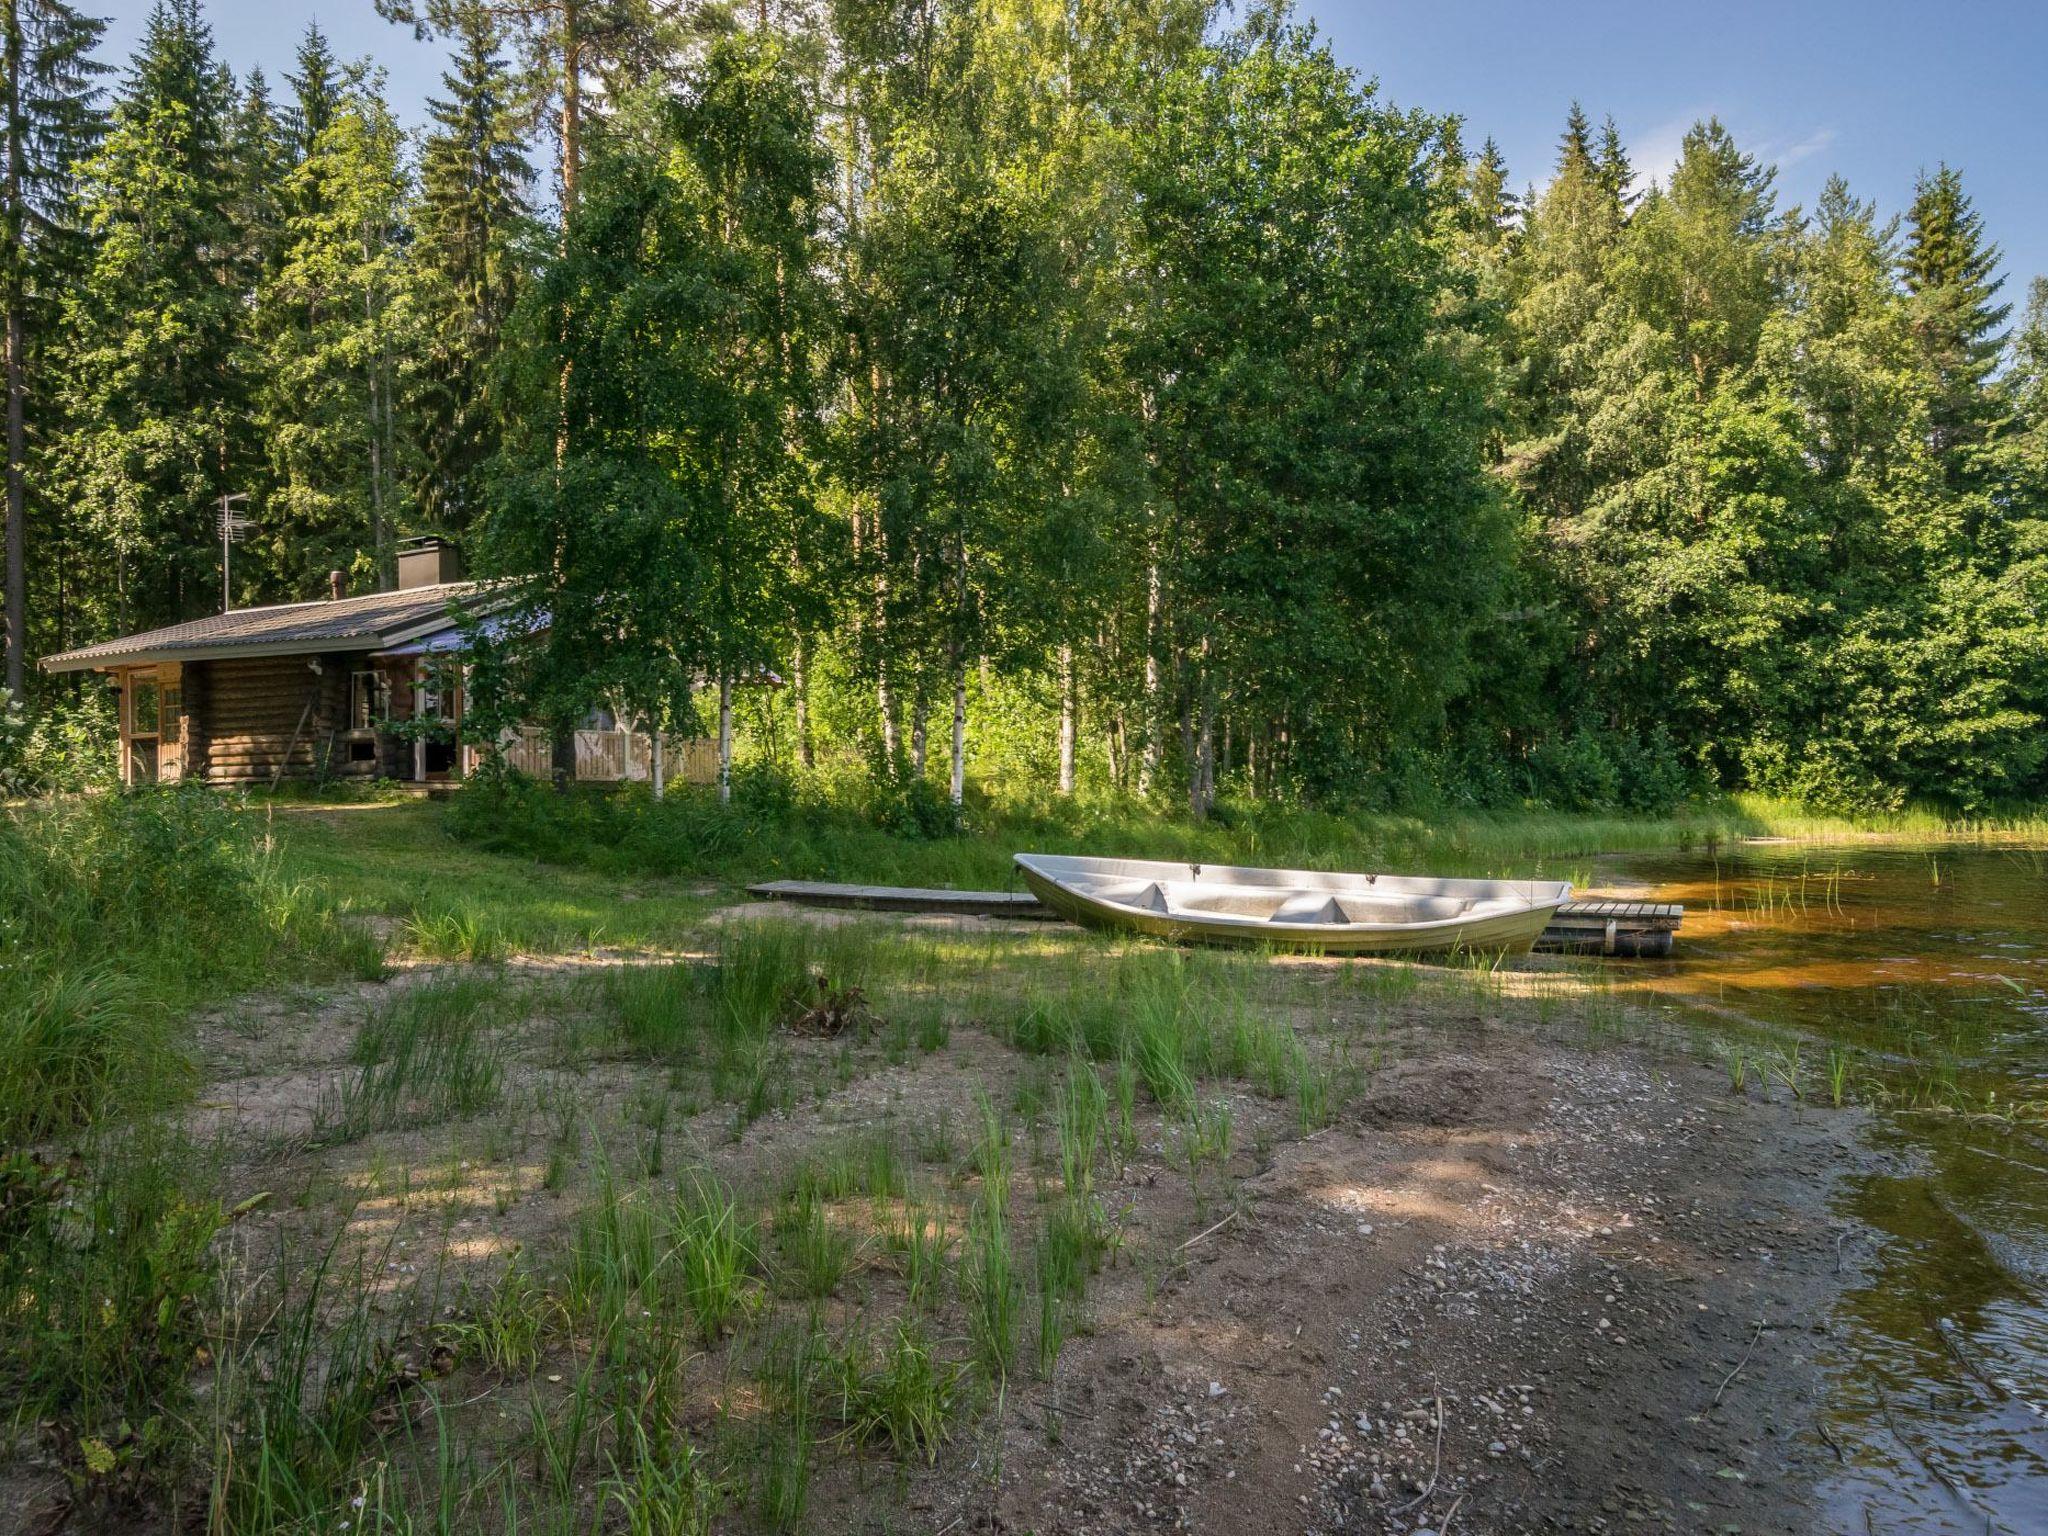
334, 592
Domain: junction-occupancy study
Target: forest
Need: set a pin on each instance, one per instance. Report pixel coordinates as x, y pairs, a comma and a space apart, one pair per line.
1118, 397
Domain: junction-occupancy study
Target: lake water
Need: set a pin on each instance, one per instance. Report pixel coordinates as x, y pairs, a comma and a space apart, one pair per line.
1925, 970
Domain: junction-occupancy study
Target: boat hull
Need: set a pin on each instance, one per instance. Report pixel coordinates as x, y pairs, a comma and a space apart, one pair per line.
1512, 931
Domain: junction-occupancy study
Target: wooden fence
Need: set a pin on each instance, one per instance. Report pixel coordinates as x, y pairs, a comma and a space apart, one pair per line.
611, 757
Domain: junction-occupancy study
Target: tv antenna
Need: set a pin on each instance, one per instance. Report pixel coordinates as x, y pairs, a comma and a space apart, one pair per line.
233, 525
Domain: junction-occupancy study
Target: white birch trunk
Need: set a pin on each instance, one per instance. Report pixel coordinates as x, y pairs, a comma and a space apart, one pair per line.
1069, 719
724, 738
802, 680
657, 766
1148, 764
958, 788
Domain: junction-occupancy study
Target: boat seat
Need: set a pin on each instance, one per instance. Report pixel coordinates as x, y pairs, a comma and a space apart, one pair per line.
1145, 895
1310, 908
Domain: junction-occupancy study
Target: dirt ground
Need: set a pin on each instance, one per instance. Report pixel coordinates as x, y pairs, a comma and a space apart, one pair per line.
1518, 1288
1524, 1283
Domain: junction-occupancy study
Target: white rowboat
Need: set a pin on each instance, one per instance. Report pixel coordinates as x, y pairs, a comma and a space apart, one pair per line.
1295, 908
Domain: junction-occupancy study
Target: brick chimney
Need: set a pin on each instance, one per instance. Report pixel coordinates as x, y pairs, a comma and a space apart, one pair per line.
427, 562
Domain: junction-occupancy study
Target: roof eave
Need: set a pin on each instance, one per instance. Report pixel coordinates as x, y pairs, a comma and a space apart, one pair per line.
72, 662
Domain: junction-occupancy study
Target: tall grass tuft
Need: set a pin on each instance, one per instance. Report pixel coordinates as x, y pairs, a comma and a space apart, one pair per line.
715, 1252
104, 1268
429, 1056
989, 1278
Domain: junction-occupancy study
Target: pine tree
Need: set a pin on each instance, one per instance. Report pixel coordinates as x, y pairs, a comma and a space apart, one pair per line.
154, 386
51, 122
469, 260
1951, 271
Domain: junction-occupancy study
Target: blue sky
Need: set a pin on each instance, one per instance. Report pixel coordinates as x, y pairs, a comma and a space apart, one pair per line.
1874, 89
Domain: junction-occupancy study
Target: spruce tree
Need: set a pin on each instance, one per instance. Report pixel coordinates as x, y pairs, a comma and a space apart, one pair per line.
1575, 148
1951, 271
316, 91
331, 347
154, 383
260, 162
469, 263
51, 121
1494, 204
1611, 166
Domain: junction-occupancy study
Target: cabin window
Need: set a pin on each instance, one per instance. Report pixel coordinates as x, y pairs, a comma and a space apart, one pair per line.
171, 714
369, 700
145, 705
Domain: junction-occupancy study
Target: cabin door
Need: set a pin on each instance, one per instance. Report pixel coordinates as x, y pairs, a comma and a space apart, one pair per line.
437, 697
152, 726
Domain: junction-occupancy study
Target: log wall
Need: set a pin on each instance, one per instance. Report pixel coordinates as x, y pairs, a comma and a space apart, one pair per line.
250, 712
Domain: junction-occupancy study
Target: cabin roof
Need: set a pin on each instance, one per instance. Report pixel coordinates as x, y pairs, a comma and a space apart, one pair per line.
373, 621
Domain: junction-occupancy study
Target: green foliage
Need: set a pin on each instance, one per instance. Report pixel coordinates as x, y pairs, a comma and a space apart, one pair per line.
1101, 411
66, 745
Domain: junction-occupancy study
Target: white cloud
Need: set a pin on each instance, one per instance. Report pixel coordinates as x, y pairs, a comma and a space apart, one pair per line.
1815, 143
1655, 154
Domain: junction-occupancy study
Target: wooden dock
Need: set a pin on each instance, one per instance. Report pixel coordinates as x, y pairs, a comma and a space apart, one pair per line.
904, 898
1634, 929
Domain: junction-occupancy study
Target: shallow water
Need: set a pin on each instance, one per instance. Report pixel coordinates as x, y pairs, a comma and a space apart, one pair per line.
1923, 970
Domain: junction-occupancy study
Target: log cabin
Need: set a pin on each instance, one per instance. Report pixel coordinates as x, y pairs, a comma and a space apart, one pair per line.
353, 687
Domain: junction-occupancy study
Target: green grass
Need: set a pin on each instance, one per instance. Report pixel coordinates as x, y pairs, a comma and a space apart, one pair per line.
120, 914
396, 860
900, 1394
989, 1282
814, 1251
922, 1245
715, 1251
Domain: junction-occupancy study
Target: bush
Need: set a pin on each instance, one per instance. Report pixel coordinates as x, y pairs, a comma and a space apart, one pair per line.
65, 747
911, 805
1575, 772
102, 1276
